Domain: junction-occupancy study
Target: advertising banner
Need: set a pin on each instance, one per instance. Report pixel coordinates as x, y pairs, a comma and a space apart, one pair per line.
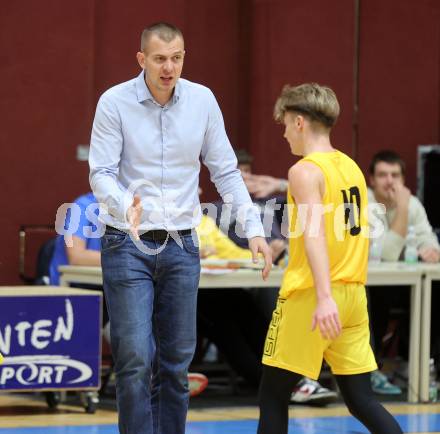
50, 342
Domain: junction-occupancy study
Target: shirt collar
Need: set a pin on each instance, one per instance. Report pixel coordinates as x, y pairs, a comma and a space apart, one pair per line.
144, 94
177, 91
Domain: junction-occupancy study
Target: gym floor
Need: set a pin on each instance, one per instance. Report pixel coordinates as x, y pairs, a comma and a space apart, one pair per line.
29, 414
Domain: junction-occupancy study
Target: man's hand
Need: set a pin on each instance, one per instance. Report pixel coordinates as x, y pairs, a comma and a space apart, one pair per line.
259, 245
429, 254
134, 213
326, 317
261, 186
400, 195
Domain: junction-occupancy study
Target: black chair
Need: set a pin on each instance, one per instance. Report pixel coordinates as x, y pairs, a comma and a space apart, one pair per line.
43, 262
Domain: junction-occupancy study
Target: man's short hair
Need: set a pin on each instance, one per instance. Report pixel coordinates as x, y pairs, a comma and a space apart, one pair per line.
243, 156
165, 31
317, 103
389, 157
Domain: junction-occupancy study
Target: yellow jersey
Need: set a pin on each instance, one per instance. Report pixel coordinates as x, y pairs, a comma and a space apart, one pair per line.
346, 225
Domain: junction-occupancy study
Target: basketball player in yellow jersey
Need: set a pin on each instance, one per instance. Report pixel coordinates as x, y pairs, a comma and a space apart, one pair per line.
321, 311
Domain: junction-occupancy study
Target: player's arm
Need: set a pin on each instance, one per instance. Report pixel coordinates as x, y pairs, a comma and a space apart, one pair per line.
307, 186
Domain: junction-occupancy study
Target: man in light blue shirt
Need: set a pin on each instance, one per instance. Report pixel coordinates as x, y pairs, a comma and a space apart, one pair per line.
148, 137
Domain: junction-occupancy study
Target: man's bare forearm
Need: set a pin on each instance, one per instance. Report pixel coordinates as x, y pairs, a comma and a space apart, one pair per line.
400, 221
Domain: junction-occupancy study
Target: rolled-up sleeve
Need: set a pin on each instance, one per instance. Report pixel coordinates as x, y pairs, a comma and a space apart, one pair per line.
219, 157
105, 154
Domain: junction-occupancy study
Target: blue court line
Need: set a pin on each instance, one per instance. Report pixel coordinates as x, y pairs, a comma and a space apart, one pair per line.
317, 425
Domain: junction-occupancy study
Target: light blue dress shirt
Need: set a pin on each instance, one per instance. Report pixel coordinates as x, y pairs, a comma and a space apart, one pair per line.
140, 147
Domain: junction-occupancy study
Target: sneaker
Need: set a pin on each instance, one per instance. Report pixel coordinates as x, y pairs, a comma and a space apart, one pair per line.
381, 385
197, 383
309, 391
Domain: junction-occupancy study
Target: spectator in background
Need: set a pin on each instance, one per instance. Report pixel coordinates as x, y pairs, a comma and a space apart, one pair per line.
261, 186
267, 205
402, 210
77, 247
82, 250
387, 181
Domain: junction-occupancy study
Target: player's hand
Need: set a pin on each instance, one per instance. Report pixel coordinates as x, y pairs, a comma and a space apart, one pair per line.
134, 214
259, 245
429, 254
326, 318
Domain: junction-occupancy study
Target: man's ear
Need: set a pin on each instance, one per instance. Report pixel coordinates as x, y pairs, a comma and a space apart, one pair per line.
141, 59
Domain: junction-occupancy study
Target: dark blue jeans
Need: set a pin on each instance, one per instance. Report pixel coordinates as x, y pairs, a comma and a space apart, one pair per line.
152, 303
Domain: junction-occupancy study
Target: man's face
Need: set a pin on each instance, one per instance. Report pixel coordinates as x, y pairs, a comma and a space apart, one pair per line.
292, 132
163, 63
385, 178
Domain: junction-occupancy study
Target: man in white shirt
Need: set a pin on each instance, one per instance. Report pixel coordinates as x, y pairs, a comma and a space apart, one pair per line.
387, 181
402, 210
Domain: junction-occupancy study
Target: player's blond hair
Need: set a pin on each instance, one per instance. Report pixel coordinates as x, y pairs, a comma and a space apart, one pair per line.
317, 103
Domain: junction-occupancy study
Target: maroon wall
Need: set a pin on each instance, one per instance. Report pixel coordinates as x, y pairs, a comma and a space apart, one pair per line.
45, 109
295, 42
399, 79
57, 59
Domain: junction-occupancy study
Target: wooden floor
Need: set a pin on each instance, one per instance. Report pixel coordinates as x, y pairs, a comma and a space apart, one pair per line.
29, 414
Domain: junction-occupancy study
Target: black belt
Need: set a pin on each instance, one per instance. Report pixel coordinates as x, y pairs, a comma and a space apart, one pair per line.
153, 235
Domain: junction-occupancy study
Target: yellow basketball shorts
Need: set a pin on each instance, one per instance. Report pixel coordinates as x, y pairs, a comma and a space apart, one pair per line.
292, 345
